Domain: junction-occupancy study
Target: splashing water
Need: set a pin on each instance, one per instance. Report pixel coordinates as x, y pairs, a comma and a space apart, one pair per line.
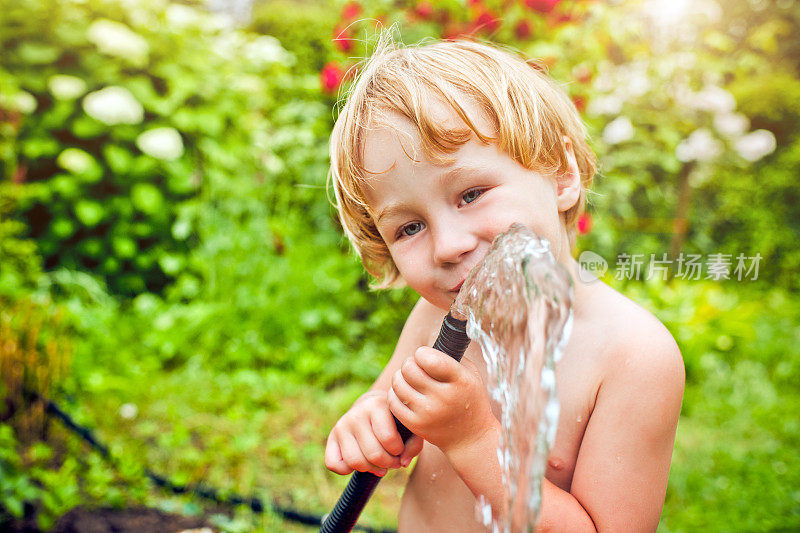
518, 303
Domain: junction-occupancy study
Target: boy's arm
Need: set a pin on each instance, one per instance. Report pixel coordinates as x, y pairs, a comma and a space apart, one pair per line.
415, 334
621, 474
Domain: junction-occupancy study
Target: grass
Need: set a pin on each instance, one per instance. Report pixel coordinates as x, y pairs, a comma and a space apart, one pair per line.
236, 432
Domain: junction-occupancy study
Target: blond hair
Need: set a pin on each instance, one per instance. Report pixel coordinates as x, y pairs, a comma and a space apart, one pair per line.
529, 112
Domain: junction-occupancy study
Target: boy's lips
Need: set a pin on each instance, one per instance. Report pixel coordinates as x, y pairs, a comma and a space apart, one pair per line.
458, 287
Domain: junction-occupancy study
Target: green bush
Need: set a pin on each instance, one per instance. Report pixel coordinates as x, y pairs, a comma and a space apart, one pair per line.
20, 262
120, 113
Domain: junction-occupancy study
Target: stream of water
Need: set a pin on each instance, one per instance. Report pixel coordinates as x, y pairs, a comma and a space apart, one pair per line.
518, 303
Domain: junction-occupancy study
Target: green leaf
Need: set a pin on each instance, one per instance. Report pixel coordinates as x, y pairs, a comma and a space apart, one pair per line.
65, 185
62, 227
14, 506
85, 127
89, 212
147, 198
37, 53
81, 164
119, 159
171, 264
92, 247
124, 247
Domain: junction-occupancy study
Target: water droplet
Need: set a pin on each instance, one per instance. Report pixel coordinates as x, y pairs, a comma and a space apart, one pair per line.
579, 419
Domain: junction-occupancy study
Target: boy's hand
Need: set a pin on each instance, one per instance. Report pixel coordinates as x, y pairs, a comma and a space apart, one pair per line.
366, 439
441, 400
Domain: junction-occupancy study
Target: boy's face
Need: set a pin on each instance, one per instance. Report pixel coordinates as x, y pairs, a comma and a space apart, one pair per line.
438, 225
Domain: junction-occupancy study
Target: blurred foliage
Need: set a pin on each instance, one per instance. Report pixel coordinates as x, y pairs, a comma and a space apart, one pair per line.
735, 466
21, 264
34, 356
303, 27
207, 288
117, 113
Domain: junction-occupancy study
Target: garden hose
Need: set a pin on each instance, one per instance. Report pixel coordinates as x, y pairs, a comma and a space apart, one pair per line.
453, 341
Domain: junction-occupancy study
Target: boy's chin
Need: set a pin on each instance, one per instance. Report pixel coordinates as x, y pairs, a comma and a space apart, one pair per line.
441, 301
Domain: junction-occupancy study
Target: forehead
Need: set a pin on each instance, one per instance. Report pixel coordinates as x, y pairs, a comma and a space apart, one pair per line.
393, 145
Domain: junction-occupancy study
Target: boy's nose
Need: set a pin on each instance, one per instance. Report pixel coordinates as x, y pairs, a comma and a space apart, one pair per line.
452, 244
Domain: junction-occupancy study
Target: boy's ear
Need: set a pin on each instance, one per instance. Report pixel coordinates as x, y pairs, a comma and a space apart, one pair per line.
569, 181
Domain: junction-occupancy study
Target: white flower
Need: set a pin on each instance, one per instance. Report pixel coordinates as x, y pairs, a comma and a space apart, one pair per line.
65, 87
756, 145
699, 146
267, 49
162, 143
636, 83
609, 104
181, 16
113, 105
75, 160
714, 99
128, 411
731, 124
619, 130
118, 40
228, 44
24, 102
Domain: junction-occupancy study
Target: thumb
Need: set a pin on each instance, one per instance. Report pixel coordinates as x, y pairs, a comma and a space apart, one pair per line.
412, 449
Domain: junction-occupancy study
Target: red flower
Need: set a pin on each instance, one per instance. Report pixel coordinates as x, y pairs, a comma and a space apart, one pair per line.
351, 10
331, 76
542, 6
342, 39
474, 2
522, 30
580, 103
584, 223
486, 22
561, 18
423, 10
582, 73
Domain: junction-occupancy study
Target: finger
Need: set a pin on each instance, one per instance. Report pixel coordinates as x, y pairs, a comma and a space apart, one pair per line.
354, 457
400, 409
413, 448
415, 376
385, 430
373, 450
436, 364
407, 394
333, 457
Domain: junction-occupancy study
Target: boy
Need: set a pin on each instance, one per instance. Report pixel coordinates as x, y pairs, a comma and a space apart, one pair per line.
518, 153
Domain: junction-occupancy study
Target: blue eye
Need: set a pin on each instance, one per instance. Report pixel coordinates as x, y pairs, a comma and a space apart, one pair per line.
415, 227
471, 196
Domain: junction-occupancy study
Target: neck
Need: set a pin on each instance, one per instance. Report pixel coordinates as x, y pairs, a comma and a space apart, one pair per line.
584, 283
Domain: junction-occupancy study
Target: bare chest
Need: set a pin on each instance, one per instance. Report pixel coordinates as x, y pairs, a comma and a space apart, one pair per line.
578, 377
435, 490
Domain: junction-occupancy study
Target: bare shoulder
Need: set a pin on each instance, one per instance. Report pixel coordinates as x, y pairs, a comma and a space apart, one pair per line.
642, 354
622, 468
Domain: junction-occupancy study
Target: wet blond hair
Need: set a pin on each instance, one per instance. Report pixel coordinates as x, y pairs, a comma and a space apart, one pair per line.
530, 113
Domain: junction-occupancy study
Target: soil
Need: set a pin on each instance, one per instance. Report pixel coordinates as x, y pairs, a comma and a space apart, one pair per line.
80, 520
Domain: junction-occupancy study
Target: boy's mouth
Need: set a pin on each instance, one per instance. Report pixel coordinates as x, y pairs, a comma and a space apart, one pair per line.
457, 287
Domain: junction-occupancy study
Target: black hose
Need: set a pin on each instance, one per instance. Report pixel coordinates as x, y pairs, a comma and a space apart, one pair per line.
453, 341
